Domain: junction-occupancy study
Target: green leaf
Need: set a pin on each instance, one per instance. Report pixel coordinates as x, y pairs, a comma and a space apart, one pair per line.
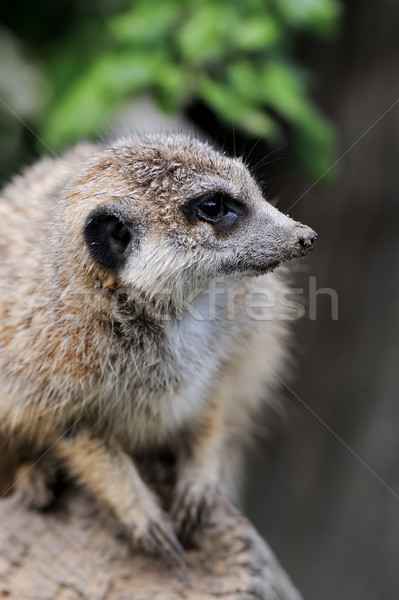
321, 16
244, 76
73, 55
273, 83
237, 110
145, 23
258, 32
207, 33
94, 95
175, 87
283, 88
235, 56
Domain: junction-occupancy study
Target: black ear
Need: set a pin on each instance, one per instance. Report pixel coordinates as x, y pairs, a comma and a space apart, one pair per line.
108, 236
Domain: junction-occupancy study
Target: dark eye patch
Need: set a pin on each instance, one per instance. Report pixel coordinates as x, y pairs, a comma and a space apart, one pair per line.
219, 209
109, 237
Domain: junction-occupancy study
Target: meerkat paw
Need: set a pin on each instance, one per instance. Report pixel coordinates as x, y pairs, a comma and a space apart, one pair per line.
112, 476
34, 483
194, 498
160, 539
156, 535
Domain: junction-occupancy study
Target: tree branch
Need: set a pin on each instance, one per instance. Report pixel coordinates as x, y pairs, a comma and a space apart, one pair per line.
76, 552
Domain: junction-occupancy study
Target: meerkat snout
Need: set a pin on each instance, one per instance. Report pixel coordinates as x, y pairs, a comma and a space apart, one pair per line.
307, 239
264, 237
304, 240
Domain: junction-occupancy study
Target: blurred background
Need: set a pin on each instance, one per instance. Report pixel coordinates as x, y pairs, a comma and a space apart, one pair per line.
308, 92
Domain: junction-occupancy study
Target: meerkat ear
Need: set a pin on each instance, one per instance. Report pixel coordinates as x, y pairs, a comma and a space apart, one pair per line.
108, 236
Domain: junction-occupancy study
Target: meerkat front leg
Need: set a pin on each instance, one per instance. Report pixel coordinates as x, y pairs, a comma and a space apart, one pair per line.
109, 472
199, 472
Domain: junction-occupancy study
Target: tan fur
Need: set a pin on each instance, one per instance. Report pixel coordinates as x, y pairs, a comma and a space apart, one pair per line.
96, 365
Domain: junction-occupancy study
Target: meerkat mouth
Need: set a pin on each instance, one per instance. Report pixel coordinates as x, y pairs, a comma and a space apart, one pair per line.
243, 268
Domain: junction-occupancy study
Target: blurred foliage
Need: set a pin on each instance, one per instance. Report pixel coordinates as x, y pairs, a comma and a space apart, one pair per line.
235, 57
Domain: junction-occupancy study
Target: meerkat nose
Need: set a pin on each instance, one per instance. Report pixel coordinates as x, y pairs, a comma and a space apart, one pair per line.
306, 238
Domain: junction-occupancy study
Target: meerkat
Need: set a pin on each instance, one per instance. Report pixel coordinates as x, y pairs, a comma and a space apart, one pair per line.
126, 271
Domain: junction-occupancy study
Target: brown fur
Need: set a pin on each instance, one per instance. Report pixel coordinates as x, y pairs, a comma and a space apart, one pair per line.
96, 365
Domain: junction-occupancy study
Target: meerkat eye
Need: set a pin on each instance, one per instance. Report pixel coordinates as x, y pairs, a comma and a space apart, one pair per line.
219, 209
212, 208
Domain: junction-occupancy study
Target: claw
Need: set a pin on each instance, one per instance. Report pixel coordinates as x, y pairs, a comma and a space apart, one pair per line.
160, 539
191, 508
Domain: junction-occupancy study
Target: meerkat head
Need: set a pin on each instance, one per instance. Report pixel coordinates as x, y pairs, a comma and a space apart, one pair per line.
162, 215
